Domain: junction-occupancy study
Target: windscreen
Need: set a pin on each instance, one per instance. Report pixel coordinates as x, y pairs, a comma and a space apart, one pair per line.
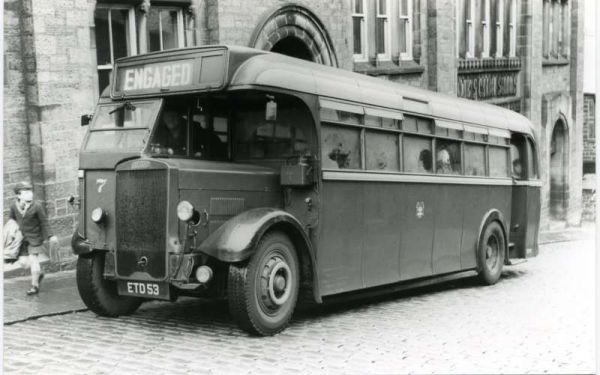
122, 126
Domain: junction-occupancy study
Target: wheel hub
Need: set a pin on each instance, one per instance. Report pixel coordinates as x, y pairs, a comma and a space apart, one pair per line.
277, 283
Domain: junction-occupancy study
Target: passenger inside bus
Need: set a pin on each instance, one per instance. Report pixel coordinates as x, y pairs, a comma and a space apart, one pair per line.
447, 159
425, 161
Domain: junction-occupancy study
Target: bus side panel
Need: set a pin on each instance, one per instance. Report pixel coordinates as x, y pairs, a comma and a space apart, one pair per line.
448, 221
416, 229
339, 256
533, 220
478, 200
381, 251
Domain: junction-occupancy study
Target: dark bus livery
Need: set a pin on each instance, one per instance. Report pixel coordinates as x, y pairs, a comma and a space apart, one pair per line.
229, 172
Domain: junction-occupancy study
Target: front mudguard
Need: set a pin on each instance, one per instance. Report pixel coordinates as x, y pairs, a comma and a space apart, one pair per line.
80, 244
236, 239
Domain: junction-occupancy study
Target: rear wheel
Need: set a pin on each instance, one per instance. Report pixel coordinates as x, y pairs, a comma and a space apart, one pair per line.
98, 294
491, 253
262, 292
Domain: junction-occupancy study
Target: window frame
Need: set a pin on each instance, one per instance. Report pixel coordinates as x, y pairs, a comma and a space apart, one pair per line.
132, 31
485, 28
408, 22
363, 31
386, 55
470, 29
512, 29
180, 27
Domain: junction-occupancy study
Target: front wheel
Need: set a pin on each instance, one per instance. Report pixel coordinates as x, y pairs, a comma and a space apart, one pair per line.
262, 292
491, 253
98, 294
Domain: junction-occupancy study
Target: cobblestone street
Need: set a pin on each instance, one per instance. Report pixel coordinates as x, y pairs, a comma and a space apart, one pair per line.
538, 319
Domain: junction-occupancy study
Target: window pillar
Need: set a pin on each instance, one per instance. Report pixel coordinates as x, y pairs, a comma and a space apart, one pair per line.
144, 9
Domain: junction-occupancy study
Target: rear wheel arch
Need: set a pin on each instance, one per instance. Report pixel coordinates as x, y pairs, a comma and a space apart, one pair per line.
490, 216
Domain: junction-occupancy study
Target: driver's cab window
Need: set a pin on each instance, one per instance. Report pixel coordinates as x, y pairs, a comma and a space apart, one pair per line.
171, 135
193, 128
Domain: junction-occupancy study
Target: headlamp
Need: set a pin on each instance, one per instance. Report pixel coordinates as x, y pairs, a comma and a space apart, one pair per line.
98, 215
186, 212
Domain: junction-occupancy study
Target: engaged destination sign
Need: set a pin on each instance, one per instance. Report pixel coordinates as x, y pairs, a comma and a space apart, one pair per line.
197, 72
156, 76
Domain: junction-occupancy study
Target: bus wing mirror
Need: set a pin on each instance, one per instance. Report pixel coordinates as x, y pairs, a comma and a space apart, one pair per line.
86, 119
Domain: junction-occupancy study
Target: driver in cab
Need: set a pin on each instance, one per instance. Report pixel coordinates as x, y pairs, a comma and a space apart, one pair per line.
170, 137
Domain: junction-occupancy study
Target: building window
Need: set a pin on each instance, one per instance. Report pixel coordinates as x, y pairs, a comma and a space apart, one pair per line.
382, 30
165, 29
406, 37
555, 42
512, 29
499, 28
470, 30
115, 38
119, 35
485, 28
359, 30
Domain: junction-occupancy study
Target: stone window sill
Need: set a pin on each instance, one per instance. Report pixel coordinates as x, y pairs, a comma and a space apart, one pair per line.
555, 61
388, 68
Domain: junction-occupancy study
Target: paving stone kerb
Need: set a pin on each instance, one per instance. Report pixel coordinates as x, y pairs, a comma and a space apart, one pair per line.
538, 318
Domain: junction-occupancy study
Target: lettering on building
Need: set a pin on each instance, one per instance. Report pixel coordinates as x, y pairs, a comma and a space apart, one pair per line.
481, 86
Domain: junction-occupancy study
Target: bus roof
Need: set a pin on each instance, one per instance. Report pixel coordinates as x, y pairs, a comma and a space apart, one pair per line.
251, 67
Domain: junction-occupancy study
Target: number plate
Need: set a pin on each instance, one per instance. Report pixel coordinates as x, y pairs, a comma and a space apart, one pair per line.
143, 289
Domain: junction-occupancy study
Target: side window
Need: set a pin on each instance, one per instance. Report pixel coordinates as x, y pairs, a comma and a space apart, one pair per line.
474, 160
498, 162
340, 147
208, 133
417, 154
531, 161
269, 126
516, 162
381, 150
447, 157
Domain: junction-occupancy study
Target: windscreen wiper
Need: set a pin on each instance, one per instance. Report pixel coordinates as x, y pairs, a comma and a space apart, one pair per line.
127, 105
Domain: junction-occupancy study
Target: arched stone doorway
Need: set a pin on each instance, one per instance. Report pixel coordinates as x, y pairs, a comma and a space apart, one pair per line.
559, 187
295, 31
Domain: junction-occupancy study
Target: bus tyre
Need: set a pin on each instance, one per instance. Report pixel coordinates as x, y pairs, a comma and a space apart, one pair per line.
98, 294
490, 254
263, 291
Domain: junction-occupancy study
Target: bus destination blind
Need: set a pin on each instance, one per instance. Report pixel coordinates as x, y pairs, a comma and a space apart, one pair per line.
176, 75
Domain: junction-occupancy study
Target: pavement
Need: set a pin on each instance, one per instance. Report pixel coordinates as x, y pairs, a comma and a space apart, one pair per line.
531, 321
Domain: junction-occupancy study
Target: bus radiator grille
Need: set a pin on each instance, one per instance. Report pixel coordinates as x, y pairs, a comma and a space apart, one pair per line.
141, 214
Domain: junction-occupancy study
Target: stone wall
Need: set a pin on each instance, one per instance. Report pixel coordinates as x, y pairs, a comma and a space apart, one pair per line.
16, 134
56, 86
589, 130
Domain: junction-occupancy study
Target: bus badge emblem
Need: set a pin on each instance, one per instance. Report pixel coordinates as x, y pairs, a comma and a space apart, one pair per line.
420, 209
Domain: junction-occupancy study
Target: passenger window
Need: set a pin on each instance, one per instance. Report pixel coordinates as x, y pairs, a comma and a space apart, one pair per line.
381, 150
516, 162
447, 157
474, 160
498, 162
340, 147
416, 153
417, 124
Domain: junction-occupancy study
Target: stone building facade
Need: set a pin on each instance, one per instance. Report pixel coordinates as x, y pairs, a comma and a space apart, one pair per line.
525, 55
